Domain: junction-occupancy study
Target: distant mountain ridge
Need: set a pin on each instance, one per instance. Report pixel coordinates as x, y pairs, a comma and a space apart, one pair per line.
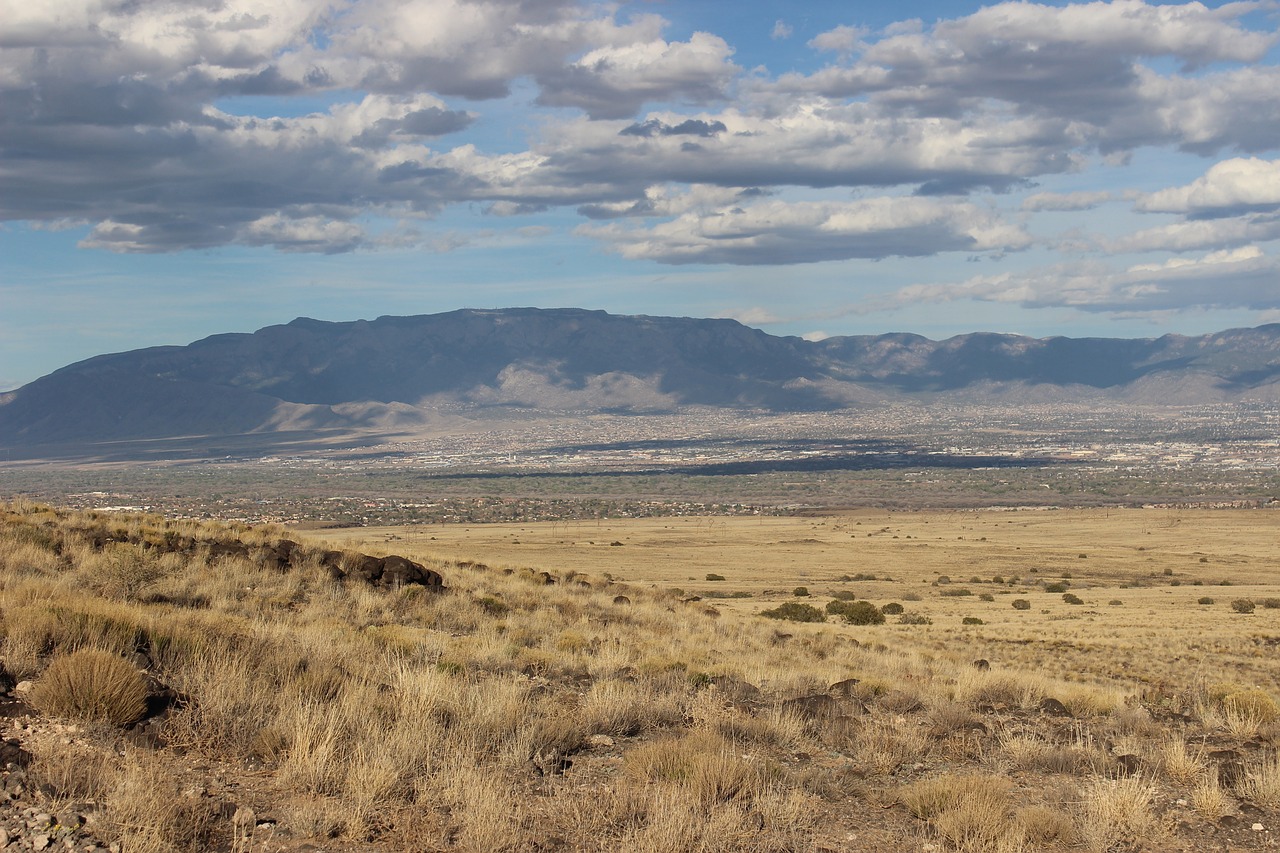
397, 373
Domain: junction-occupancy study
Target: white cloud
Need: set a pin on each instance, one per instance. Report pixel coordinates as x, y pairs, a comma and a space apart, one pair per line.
1226, 189
1242, 278
777, 232
843, 40
781, 30
1199, 234
615, 81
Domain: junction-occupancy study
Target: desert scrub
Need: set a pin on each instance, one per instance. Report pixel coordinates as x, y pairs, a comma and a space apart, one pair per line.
1242, 605
969, 812
92, 685
794, 611
1020, 604
856, 612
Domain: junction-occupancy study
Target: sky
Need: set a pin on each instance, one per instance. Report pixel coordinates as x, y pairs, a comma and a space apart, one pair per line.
172, 169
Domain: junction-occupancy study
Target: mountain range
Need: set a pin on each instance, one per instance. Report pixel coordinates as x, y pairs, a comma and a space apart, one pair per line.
401, 373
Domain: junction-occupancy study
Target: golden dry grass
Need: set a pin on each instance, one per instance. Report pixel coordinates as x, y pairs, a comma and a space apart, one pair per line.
505, 714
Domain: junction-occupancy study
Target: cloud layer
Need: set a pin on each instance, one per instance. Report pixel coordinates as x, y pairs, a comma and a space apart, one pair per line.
128, 119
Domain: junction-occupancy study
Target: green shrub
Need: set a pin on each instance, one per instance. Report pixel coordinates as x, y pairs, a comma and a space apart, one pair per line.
943, 579
1021, 604
1071, 598
972, 620
1204, 599
800, 591
997, 579
844, 595
986, 596
1242, 605
1055, 587
795, 611
92, 685
856, 612
893, 608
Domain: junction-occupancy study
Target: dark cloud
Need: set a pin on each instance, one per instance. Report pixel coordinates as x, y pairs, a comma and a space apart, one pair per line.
688, 127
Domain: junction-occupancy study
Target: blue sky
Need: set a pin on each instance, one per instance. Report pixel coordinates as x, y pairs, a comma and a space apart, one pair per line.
171, 170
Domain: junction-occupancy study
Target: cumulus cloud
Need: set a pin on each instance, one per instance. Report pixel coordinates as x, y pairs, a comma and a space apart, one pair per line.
1228, 188
1240, 278
114, 114
781, 30
777, 232
614, 82
1079, 64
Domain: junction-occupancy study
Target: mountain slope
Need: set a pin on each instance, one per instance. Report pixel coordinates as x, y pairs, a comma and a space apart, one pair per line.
395, 372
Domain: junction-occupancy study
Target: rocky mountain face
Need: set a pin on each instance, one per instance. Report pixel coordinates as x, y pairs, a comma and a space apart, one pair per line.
397, 373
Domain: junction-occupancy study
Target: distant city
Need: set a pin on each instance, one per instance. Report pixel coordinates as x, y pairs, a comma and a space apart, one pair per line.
568, 465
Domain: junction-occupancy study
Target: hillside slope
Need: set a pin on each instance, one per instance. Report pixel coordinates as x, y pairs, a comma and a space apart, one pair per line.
400, 372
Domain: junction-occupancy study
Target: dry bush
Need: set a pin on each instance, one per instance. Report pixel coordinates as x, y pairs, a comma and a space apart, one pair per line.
1209, 800
1261, 783
969, 812
146, 813
1043, 826
1029, 752
1252, 704
627, 708
1180, 765
885, 743
1117, 814
72, 771
92, 685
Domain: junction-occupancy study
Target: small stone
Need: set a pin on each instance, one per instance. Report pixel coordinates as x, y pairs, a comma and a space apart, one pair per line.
40, 841
4, 837
70, 820
1182, 803
1257, 827
42, 821
23, 687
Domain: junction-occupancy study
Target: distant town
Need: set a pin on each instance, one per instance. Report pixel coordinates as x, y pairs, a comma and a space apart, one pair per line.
718, 462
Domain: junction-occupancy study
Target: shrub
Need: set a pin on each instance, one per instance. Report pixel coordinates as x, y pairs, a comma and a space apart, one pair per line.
986, 596
1115, 602
712, 576
800, 591
844, 595
92, 685
1271, 603
856, 612
1055, 587
1242, 605
893, 608
943, 579
956, 593
1021, 604
997, 579
914, 619
1257, 704
1204, 599
1069, 598
794, 611
972, 620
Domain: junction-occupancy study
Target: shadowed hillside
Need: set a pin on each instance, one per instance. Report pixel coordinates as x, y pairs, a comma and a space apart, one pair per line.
401, 373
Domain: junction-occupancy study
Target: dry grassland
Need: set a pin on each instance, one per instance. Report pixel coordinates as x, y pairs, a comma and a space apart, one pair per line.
605, 711
1140, 574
